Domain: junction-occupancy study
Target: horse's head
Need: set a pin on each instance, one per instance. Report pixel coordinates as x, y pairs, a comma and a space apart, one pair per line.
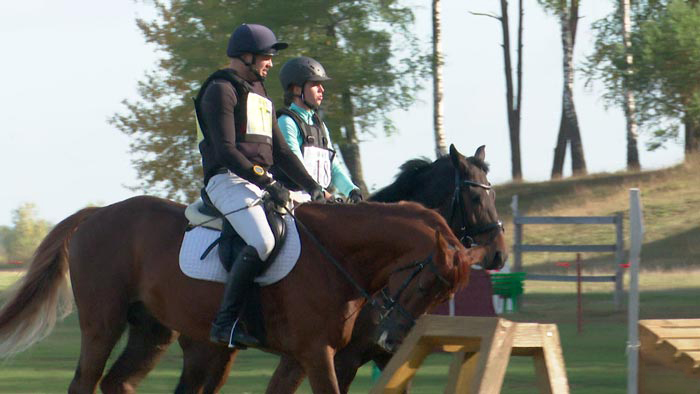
471, 209
457, 187
415, 288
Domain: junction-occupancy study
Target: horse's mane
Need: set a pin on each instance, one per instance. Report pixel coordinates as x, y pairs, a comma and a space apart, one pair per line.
405, 180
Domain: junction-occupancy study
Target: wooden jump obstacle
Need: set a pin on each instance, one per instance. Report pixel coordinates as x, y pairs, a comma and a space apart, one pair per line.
482, 347
673, 344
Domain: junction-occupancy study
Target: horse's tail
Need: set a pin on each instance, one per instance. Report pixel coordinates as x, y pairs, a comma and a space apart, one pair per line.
43, 296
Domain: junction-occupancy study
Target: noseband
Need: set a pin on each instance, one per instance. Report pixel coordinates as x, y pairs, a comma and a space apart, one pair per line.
390, 303
464, 234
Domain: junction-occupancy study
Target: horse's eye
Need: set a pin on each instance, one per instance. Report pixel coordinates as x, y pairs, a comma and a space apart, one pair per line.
476, 199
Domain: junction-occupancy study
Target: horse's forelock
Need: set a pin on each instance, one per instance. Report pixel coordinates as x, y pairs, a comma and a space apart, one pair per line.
482, 165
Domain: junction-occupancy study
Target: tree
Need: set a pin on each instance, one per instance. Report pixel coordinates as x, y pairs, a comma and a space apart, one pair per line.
630, 106
4, 232
28, 230
367, 47
440, 145
569, 132
665, 75
513, 98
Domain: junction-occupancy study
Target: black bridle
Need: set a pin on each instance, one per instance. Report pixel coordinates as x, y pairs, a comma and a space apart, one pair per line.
391, 304
464, 234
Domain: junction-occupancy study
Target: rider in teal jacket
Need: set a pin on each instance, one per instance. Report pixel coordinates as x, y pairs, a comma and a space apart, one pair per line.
307, 136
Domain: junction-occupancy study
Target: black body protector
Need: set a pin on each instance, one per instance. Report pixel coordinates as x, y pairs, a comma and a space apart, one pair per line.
253, 123
317, 156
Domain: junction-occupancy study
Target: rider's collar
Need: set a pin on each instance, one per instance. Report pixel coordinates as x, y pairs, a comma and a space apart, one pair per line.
306, 114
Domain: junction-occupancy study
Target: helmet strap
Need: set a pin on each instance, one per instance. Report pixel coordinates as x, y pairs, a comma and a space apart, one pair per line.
251, 68
303, 99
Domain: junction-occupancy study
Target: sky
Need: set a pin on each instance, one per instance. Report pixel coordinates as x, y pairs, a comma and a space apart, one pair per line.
68, 65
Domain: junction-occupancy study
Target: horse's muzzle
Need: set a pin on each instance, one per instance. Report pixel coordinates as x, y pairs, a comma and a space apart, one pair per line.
499, 260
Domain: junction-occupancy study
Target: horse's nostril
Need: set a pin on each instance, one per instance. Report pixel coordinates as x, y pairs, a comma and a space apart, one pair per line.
498, 260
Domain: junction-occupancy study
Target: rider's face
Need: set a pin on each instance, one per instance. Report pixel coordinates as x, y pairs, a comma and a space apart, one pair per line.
313, 92
263, 63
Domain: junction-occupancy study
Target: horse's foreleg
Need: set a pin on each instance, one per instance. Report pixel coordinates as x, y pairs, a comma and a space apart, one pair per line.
320, 370
205, 366
287, 377
347, 361
148, 340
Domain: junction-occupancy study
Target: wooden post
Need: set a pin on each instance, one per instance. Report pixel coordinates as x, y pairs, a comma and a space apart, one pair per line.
619, 260
517, 236
636, 237
579, 303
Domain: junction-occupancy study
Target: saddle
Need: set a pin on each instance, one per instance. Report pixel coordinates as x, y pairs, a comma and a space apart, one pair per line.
204, 213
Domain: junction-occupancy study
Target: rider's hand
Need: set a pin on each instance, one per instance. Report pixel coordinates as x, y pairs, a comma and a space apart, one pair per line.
355, 196
278, 193
317, 194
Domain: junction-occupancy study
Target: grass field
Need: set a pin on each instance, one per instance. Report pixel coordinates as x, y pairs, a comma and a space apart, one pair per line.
595, 359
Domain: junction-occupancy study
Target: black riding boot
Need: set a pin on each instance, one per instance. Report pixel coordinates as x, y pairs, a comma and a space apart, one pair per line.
225, 330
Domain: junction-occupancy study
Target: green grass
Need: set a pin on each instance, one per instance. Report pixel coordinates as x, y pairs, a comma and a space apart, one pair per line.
595, 360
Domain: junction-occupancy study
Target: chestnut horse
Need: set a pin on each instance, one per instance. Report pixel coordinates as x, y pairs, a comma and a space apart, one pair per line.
123, 269
453, 185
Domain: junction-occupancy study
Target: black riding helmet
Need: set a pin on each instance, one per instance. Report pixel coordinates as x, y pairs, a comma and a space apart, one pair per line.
297, 71
301, 69
255, 39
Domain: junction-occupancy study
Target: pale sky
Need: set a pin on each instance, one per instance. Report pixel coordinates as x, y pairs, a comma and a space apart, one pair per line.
68, 64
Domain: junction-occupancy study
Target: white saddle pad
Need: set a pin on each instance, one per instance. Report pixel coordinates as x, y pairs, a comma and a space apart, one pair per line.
198, 239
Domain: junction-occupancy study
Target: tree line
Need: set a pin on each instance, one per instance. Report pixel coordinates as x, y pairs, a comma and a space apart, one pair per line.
647, 55
18, 241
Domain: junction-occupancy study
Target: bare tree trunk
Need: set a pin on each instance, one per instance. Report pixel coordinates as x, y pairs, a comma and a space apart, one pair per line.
513, 106
569, 128
440, 145
560, 148
350, 148
630, 106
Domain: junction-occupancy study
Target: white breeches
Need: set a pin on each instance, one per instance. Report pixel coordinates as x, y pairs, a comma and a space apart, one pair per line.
229, 192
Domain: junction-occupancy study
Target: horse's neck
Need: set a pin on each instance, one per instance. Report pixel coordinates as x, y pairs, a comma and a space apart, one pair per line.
374, 241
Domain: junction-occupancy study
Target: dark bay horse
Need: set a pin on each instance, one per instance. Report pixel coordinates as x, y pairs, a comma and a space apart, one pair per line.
457, 188
122, 261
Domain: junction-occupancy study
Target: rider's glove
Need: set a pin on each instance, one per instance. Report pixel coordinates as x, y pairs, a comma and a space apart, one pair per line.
278, 193
317, 194
355, 196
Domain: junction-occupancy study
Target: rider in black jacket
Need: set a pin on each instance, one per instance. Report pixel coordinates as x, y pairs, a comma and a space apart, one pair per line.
241, 142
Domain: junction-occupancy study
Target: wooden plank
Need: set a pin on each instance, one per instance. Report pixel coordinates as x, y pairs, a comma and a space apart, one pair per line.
671, 322
564, 219
549, 368
567, 248
462, 369
676, 332
674, 343
684, 344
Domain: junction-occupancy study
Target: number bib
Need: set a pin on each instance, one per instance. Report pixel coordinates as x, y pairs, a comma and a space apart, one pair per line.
318, 164
259, 115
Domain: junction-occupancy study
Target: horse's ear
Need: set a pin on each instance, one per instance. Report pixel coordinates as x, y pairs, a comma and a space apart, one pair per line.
440, 244
455, 156
481, 153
